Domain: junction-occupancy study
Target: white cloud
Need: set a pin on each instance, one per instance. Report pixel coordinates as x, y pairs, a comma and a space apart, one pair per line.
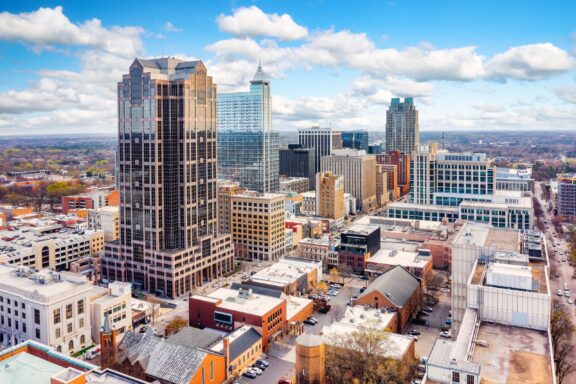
567, 94
47, 28
530, 62
251, 21
83, 99
169, 27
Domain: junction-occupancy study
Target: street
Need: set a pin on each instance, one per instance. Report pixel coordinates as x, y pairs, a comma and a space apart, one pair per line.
557, 249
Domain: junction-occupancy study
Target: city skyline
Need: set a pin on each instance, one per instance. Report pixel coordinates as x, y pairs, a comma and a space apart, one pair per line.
65, 57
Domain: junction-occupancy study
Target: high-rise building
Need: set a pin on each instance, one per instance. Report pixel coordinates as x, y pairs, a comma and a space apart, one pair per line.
226, 189
423, 174
322, 140
402, 162
296, 161
402, 128
169, 241
375, 148
355, 139
330, 196
382, 195
566, 196
257, 222
359, 171
247, 144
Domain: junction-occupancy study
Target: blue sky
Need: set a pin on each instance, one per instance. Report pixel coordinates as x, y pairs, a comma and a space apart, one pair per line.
470, 65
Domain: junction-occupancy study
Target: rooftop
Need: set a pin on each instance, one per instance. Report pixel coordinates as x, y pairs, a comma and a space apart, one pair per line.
513, 355
194, 337
43, 286
403, 258
395, 346
256, 304
359, 229
513, 173
295, 304
368, 317
484, 235
397, 285
285, 271
401, 225
240, 340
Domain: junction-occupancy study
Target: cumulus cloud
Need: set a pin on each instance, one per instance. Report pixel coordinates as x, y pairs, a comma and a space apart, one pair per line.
48, 28
83, 99
252, 21
530, 62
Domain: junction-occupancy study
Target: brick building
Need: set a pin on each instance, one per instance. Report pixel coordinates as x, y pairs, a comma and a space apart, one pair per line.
397, 289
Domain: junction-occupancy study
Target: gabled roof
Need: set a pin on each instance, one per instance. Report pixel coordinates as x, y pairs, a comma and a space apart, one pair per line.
194, 337
243, 342
397, 284
170, 363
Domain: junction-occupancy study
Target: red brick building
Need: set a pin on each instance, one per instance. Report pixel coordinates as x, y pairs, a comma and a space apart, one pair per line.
228, 309
396, 289
91, 200
402, 161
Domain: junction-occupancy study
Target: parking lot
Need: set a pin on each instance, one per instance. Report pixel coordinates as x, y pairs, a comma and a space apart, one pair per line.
429, 334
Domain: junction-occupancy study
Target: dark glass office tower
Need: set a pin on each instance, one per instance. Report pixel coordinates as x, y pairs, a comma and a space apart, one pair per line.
169, 241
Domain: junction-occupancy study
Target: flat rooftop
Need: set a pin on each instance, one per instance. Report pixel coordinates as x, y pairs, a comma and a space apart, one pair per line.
255, 304
391, 224
484, 235
513, 355
395, 347
368, 317
295, 304
403, 258
56, 284
534, 269
359, 229
284, 272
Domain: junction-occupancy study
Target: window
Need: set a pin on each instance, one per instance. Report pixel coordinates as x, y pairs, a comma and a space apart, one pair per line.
24, 327
470, 379
80, 307
57, 316
455, 377
68, 311
70, 345
81, 323
82, 339
211, 370
69, 328
36, 316
58, 333
37, 333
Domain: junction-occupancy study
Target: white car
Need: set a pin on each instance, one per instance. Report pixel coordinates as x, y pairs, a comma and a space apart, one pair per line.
332, 293
567, 293
570, 301
257, 370
446, 334
560, 293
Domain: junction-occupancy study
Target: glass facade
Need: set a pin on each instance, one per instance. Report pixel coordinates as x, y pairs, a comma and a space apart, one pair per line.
355, 140
247, 145
402, 127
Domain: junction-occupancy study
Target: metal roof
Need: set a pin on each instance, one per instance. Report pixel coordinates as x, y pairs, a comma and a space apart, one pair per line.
397, 285
194, 337
243, 342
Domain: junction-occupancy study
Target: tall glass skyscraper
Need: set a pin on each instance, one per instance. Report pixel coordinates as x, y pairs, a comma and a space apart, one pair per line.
247, 145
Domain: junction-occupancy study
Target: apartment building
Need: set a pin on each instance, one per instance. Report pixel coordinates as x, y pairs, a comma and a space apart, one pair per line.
106, 219
295, 184
45, 306
226, 189
330, 196
359, 171
566, 196
257, 222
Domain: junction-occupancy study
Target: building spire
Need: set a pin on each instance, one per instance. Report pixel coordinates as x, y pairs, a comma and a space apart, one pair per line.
106, 327
259, 76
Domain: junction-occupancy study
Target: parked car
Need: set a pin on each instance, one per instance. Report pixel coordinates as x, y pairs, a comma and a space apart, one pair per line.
264, 362
256, 369
362, 289
314, 319
560, 293
250, 374
570, 301
446, 334
335, 286
567, 293
309, 322
448, 322
414, 332
332, 293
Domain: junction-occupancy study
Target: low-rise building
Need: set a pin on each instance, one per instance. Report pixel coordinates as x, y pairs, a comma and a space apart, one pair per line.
513, 179
289, 275
227, 309
396, 289
357, 244
309, 203
324, 249
242, 347
419, 264
116, 301
91, 200
51, 246
46, 306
